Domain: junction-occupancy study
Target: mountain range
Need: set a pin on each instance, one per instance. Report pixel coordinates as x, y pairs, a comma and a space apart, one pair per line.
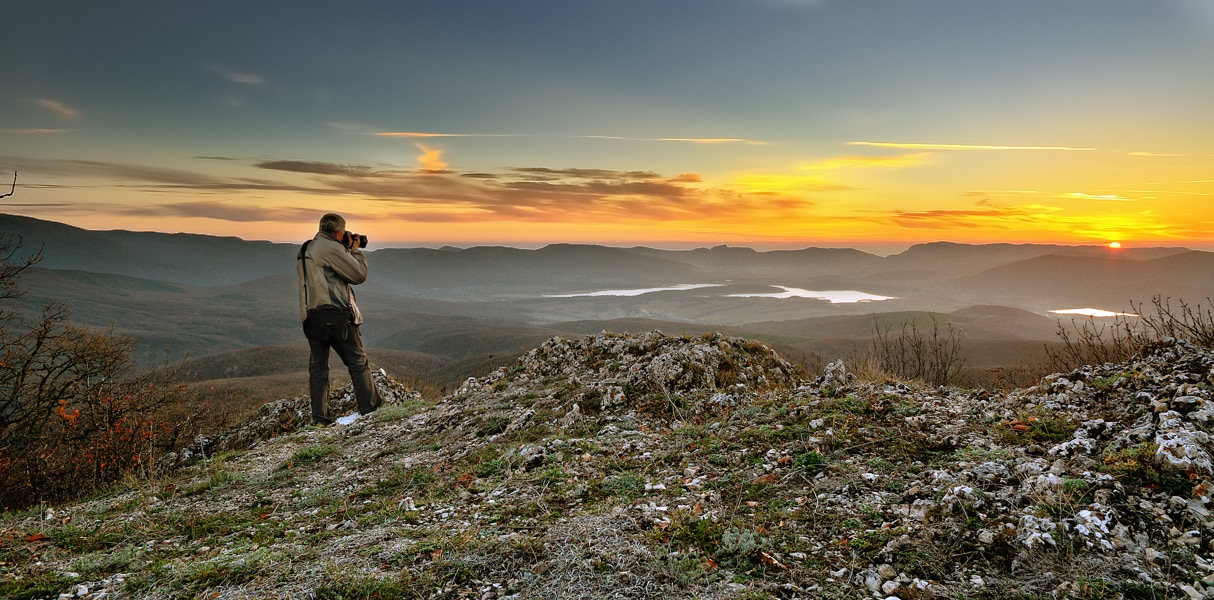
451, 309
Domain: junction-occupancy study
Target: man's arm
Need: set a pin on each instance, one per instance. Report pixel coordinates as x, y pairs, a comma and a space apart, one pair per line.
350, 266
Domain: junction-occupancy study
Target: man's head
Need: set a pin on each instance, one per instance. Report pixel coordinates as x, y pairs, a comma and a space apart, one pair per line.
332, 223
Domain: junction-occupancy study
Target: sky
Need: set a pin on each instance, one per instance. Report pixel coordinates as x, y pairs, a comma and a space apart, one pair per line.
674, 123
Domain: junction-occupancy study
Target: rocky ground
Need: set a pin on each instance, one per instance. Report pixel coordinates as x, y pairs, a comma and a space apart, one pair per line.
687, 467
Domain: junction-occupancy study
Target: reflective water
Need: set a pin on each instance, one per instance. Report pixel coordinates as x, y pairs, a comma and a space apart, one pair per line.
637, 292
1092, 312
833, 296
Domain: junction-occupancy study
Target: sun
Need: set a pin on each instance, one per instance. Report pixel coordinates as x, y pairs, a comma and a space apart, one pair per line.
1114, 245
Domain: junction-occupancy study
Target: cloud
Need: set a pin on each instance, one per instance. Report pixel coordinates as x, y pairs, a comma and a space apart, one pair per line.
34, 131
434, 193
121, 175
421, 134
676, 139
431, 159
59, 108
916, 146
1154, 154
223, 211
588, 173
854, 162
317, 168
1102, 197
242, 78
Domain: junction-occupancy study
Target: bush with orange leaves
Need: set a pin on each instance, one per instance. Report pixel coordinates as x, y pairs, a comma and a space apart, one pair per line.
74, 412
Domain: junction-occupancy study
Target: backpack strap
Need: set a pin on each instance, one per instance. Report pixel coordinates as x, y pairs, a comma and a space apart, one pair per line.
303, 255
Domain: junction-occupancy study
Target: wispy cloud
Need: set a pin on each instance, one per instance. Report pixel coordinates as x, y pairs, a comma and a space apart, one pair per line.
217, 209
689, 140
1106, 225
1101, 197
59, 108
860, 162
586, 173
917, 146
34, 131
243, 78
1155, 154
423, 134
317, 168
103, 174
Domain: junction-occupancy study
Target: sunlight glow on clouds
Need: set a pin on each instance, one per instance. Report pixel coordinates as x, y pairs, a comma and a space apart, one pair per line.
431, 159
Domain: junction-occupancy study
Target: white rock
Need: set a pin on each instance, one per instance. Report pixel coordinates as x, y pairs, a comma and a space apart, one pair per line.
872, 581
890, 587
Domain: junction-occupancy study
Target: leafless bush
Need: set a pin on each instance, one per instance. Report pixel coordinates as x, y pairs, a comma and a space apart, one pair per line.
1194, 323
930, 354
73, 414
1092, 343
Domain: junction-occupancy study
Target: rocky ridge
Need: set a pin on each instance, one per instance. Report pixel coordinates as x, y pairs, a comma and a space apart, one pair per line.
631, 466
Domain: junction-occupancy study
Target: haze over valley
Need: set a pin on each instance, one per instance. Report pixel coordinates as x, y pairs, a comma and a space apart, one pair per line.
229, 308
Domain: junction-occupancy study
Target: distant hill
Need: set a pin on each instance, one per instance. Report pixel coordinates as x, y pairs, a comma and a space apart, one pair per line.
959, 259
176, 257
1059, 281
495, 270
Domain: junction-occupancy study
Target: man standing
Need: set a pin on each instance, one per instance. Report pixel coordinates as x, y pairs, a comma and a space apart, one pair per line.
327, 266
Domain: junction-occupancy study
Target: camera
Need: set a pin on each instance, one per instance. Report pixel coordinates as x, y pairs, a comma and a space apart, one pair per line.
347, 239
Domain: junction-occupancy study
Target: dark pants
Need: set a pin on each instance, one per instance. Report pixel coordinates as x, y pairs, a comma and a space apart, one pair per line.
350, 350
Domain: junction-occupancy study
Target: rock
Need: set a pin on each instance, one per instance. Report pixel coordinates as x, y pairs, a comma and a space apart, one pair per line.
872, 581
887, 572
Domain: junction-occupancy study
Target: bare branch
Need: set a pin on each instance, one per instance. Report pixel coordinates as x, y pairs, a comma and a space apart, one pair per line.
14, 188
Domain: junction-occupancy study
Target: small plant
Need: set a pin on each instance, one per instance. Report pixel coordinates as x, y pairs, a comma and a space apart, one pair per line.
811, 462
365, 588
308, 455
492, 425
627, 486
490, 468
1137, 464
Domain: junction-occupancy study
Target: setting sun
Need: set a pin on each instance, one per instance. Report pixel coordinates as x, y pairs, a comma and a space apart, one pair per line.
1114, 245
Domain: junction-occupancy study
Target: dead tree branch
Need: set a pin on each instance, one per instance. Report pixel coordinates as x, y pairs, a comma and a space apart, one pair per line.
14, 188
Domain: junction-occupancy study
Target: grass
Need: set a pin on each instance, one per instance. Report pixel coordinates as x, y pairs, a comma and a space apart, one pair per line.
45, 585
308, 455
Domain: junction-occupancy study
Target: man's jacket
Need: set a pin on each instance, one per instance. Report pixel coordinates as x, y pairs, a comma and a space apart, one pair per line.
326, 269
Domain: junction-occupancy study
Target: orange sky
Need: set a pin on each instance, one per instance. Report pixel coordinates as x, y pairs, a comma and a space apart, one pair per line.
770, 123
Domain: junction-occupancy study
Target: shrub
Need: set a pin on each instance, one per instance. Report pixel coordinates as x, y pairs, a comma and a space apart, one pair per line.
74, 415
1092, 343
932, 355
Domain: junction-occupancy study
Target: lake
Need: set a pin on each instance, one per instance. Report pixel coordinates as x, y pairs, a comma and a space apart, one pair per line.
1091, 312
832, 296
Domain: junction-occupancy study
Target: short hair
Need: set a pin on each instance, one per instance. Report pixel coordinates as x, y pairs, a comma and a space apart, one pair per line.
332, 223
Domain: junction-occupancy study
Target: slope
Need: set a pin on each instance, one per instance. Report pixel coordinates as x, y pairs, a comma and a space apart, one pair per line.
652, 466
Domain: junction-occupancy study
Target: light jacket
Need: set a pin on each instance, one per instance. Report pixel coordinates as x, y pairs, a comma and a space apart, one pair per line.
326, 269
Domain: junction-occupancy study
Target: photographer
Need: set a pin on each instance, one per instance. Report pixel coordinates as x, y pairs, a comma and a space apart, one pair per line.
327, 266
